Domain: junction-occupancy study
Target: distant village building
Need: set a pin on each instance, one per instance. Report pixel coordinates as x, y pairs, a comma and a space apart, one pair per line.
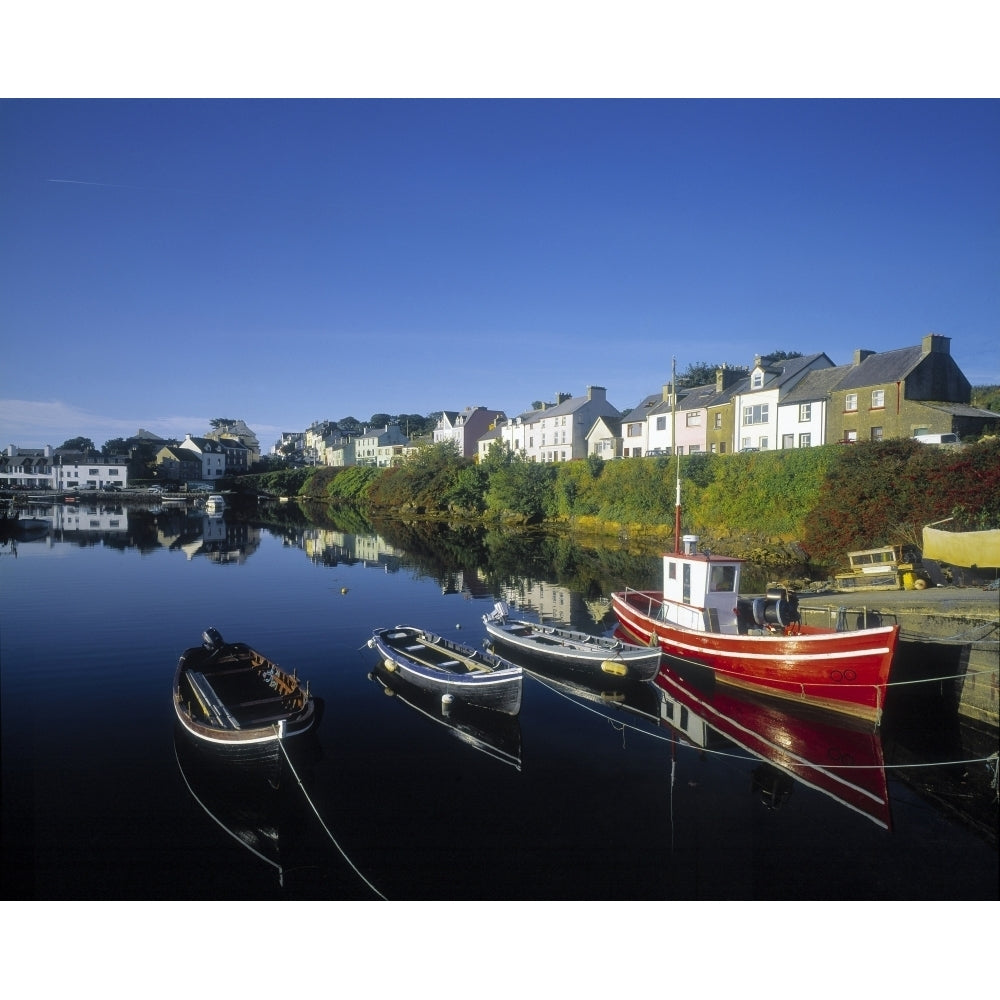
178, 465
466, 427
211, 454
26, 468
45, 468
238, 430
558, 431
382, 447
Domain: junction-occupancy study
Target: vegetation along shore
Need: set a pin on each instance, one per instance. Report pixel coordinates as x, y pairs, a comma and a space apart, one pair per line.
799, 506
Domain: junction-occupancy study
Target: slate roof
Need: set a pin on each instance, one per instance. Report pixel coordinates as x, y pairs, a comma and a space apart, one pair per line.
790, 368
698, 397
962, 410
613, 424
817, 385
880, 369
564, 409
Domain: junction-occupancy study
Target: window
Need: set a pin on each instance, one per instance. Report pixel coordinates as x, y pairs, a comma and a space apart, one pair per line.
876, 433
723, 578
722, 447
850, 402
718, 421
762, 444
850, 436
93, 472
692, 449
671, 571
805, 440
878, 399
787, 441
661, 423
692, 419
758, 379
805, 412
634, 430
755, 414
745, 443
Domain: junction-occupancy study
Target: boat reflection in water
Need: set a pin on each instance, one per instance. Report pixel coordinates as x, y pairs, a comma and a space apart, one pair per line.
493, 733
254, 797
831, 753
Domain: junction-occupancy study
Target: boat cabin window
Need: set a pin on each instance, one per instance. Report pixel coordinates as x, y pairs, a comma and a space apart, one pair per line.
723, 578
671, 571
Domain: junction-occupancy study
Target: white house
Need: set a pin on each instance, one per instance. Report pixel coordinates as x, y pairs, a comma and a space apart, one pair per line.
604, 439
43, 468
89, 475
211, 453
802, 413
382, 447
558, 431
26, 467
756, 408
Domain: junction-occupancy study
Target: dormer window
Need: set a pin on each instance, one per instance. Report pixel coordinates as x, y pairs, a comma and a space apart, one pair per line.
757, 381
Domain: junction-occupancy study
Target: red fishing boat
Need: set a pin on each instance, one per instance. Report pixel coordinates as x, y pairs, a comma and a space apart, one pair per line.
758, 643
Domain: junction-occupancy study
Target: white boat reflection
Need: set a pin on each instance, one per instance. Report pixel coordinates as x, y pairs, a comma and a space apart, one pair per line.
493, 733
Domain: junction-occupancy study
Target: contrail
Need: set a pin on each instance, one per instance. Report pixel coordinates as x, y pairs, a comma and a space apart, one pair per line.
61, 180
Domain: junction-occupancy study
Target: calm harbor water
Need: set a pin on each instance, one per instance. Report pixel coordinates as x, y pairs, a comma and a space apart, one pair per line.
658, 792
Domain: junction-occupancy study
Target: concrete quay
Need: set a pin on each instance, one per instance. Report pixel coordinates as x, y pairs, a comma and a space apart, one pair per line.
945, 632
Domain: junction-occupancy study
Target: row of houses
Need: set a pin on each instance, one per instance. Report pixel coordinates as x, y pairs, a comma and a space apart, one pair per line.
195, 459
791, 403
802, 402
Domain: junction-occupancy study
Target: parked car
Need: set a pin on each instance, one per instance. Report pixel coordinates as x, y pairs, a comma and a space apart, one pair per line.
112, 489
154, 489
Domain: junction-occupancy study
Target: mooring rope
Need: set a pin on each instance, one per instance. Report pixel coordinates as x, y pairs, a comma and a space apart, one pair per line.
214, 818
333, 839
934, 680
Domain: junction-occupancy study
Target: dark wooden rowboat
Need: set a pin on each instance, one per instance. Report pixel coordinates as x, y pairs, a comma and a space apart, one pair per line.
229, 694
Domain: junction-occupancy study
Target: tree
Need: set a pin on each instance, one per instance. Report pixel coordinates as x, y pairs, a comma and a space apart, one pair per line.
703, 373
115, 446
81, 444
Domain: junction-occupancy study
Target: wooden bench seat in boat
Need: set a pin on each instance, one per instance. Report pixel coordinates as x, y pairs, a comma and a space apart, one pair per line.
209, 699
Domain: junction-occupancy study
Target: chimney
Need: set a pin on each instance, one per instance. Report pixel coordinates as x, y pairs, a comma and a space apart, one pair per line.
934, 343
596, 392
860, 354
561, 397
725, 377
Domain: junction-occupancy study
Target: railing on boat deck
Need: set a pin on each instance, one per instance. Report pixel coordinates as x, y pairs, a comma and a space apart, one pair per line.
844, 618
654, 606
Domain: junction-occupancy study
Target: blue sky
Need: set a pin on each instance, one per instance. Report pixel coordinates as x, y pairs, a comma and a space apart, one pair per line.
287, 261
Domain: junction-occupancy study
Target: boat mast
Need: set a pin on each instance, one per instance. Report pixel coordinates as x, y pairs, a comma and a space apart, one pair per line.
677, 455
